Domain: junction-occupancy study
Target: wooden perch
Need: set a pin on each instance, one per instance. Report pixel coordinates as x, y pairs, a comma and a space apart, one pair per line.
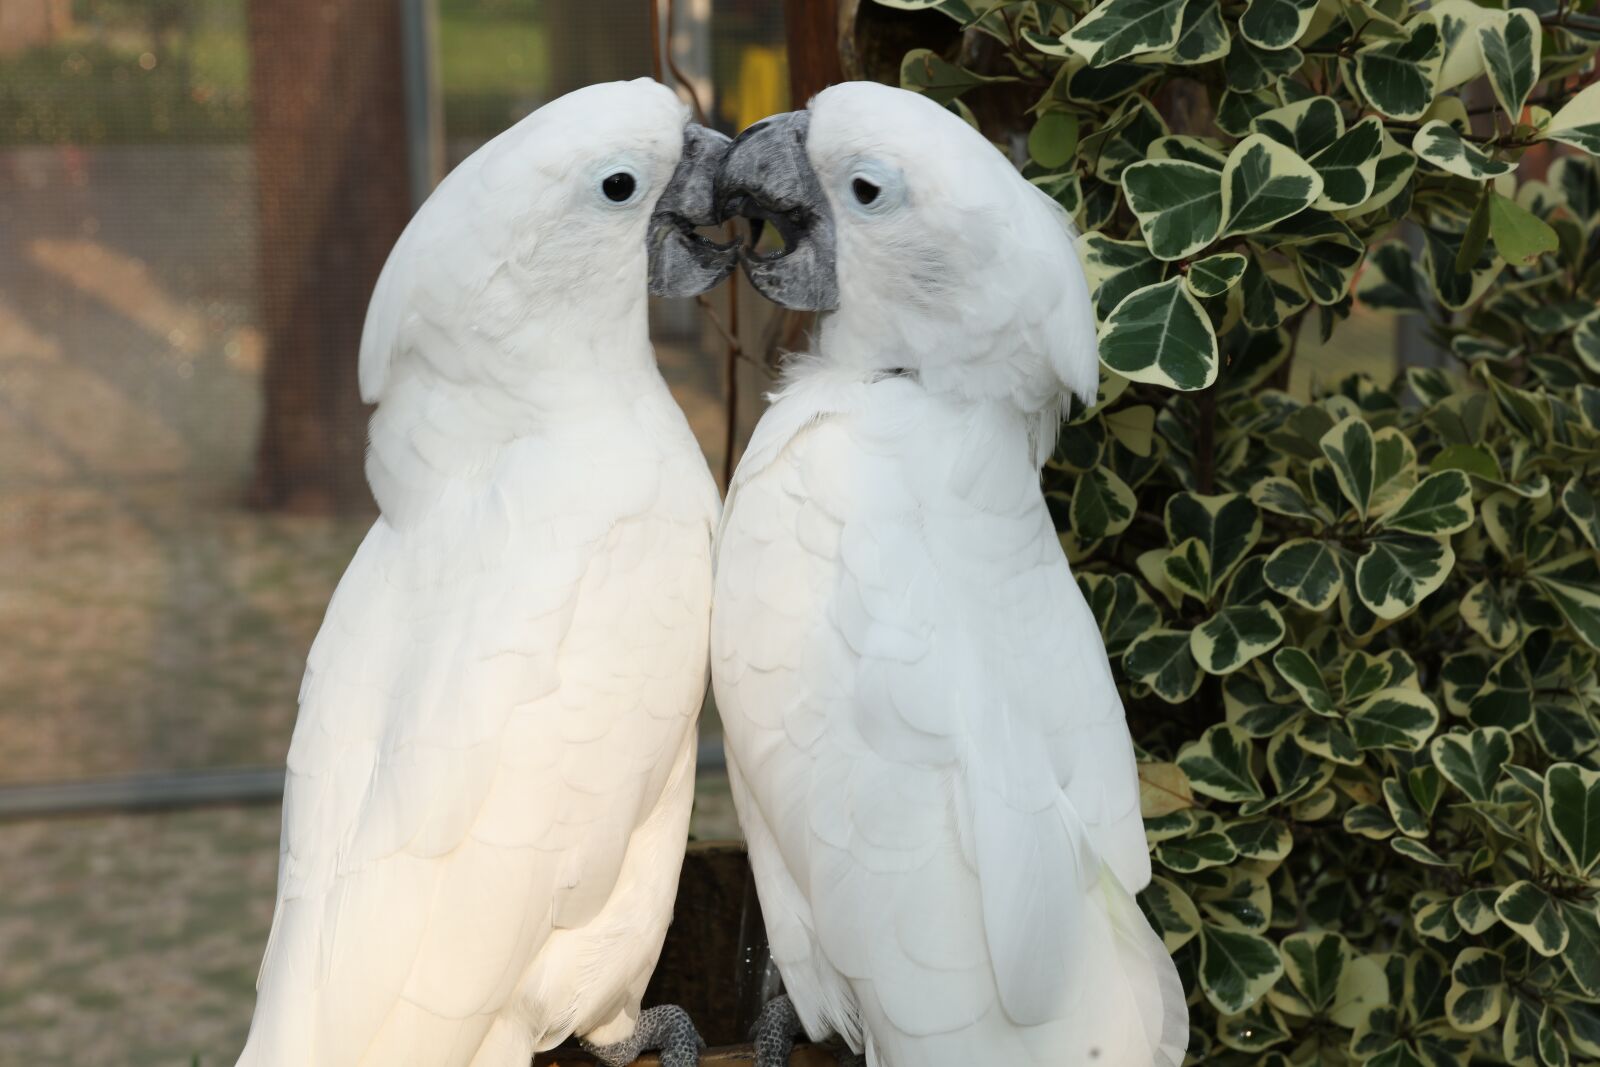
804, 1056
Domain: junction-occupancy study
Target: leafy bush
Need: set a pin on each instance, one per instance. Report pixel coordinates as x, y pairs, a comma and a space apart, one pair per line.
1357, 634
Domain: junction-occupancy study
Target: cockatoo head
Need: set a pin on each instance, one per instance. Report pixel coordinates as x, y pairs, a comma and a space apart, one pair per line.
925, 248
541, 246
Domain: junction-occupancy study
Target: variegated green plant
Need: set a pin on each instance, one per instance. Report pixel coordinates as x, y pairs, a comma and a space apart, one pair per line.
1358, 634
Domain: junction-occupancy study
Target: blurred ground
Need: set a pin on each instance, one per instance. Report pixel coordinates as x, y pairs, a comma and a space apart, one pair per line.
133, 941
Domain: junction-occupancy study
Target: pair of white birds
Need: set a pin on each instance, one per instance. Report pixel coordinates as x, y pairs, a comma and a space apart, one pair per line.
491, 776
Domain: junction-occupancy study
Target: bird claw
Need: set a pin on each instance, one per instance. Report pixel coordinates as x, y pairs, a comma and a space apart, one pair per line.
776, 1028
666, 1029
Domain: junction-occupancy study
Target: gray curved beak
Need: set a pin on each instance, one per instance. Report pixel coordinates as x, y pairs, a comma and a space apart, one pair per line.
683, 262
767, 178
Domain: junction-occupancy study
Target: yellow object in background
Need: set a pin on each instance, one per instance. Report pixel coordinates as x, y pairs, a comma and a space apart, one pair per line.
762, 86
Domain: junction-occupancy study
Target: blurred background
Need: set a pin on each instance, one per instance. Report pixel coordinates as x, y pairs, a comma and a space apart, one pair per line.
195, 199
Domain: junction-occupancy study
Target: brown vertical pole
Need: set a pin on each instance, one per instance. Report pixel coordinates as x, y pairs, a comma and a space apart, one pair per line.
328, 104
812, 27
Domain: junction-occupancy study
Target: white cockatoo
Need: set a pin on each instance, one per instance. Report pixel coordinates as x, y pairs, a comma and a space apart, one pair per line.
490, 779
926, 747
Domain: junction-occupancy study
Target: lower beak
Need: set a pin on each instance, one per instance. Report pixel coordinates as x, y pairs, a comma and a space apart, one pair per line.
684, 262
766, 177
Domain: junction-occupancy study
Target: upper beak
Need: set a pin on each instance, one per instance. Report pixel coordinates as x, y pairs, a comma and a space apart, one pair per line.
767, 177
683, 262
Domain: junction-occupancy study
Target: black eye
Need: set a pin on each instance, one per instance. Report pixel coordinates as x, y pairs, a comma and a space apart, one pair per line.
865, 191
618, 187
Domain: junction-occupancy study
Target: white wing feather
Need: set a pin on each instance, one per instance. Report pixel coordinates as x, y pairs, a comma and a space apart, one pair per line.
930, 757
490, 713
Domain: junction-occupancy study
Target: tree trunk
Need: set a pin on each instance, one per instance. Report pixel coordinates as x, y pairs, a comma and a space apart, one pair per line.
328, 103
812, 27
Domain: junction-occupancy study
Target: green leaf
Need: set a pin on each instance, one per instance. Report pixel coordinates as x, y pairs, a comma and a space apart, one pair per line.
1463, 59
1572, 805
1160, 335
1581, 507
1364, 675
1374, 471
1248, 69
1398, 76
1510, 44
1394, 718
1187, 569
1113, 269
1477, 990
1102, 505
1391, 281
1408, 818
1519, 236
1577, 123
1214, 275
1171, 912
1295, 770
1517, 1036
1534, 914
1417, 852
1265, 183
1301, 672
1305, 127
1261, 839
1054, 139
1269, 296
1178, 205
1234, 636
1349, 166
926, 72
1236, 969
1121, 607
1328, 268
1307, 572
1582, 956
1396, 165
1397, 572
1586, 339
1441, 144
1472, 761
1275, 24
1552, 1048
1226, 525
1433, 918
1197, 852
1370, 821
1202, 38
1161, 660
1475, 910
1572, 583
1490, 611
1314, 963
1283, 497
1441, 504
1117, 29
1218, 764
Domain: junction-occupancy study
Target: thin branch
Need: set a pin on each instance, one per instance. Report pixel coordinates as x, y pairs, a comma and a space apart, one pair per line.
655, 38
661, 55
672, 64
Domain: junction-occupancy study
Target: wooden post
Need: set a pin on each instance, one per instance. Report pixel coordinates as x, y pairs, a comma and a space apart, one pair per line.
812, 27
328, 103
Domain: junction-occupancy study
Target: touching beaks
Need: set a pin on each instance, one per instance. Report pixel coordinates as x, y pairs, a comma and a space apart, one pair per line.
767, 178
684, 262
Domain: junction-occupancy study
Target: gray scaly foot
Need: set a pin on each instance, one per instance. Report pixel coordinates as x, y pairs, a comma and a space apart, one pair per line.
776, 1028
666, 1028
